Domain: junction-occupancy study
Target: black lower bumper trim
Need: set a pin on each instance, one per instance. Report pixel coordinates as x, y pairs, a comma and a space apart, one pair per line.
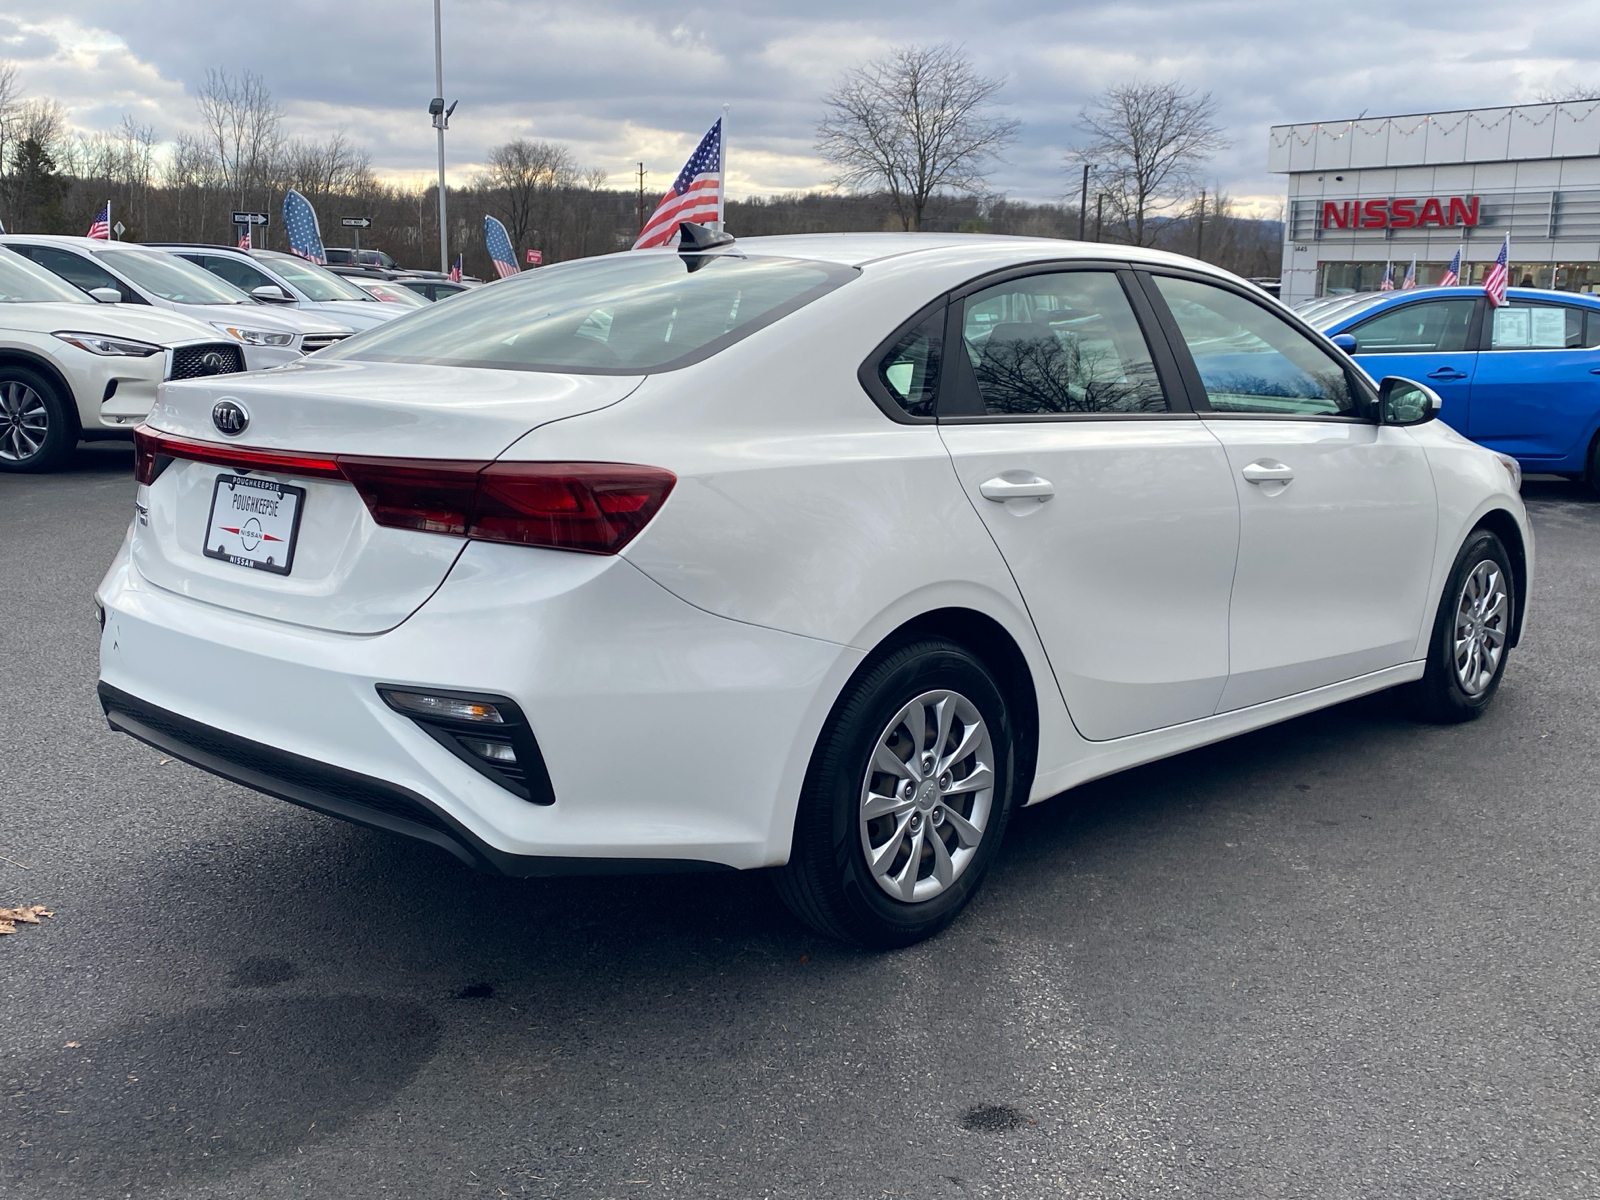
347, 795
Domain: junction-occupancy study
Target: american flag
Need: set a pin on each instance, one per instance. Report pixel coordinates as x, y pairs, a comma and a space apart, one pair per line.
1411, 277
1494, 283
1387, 285
499, 243
102, 225
455, 271
695, 195
300, 222
244, 240
1452, 273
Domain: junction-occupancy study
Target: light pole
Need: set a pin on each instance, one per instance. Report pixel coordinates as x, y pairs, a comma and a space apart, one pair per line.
441, 122
1083, 199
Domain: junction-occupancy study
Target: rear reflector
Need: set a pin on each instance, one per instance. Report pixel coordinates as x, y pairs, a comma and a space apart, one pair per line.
595, 508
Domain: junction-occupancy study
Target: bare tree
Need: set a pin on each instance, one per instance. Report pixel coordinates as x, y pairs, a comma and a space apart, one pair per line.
1149, 143
242, 126
1568, 95
525, 175
914, 123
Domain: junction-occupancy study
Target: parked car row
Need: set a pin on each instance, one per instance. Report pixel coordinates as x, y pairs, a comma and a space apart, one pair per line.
147, 314
819, 553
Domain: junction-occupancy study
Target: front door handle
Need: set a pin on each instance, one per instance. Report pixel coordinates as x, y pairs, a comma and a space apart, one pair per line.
1002, 489
1266, 471
1447, 373
1594, 370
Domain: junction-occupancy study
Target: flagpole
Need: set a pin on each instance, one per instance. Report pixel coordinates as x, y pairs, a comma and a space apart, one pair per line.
722, 171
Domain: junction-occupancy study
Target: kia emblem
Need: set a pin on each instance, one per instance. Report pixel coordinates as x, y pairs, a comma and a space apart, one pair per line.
230, 417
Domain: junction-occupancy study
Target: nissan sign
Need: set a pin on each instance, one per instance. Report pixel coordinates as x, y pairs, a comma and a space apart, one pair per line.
1400, 212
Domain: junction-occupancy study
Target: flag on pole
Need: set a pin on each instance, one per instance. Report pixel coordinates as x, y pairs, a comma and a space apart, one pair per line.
300, 222
455, 271
244, 240
499, 243
102, 225
1387, 284
1494, 283
1452, 273
1410, 280
695, 195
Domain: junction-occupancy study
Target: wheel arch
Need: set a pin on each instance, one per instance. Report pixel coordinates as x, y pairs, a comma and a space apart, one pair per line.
1504, 526
993, 643
13, 357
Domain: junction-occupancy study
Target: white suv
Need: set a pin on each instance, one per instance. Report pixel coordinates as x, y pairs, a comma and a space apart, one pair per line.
72, 369
271, 336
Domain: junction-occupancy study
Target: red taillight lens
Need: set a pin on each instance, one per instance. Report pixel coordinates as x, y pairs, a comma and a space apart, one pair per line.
595, 507
402, 493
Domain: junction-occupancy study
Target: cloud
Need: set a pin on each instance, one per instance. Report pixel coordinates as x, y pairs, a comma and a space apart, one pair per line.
622, 81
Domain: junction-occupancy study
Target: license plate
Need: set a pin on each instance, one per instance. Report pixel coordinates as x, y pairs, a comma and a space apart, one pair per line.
254, 522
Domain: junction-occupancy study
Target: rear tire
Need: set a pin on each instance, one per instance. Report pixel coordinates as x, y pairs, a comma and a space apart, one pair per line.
907, 797
1471, 634
37, 428
1591, 477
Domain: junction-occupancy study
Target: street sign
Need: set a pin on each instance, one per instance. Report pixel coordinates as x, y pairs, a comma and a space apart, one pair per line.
356, 222
249, 218
120, 229
536, 257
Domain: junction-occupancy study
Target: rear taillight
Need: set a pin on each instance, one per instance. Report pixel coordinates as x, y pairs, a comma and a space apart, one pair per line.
596, 508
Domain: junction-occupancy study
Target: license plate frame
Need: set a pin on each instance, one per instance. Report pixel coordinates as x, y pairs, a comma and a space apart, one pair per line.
263, 524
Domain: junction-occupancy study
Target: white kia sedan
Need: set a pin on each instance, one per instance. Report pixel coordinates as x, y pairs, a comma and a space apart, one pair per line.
814, 553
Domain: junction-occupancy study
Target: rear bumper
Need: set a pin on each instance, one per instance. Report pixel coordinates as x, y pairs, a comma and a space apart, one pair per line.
361, 799
670, 735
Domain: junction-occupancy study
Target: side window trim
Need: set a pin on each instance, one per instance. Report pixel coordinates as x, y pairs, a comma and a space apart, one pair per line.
959, 401
1191, 373
867, 372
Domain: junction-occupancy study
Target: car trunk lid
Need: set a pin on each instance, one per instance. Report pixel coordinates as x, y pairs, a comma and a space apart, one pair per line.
347, 573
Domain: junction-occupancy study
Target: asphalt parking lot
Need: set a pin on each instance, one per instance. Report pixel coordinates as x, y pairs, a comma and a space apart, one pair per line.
1350, 956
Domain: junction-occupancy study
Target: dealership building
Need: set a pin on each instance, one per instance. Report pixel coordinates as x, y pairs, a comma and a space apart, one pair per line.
1375, 191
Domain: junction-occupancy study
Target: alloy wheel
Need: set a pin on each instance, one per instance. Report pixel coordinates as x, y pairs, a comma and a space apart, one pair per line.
927, 796
24, 421
1481, 627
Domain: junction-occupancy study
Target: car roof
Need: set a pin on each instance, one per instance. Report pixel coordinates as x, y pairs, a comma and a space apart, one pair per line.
1384, 300
71, 243
860, 249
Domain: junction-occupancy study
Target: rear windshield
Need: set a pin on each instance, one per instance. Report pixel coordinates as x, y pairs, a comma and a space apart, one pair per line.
624, 314
21, 282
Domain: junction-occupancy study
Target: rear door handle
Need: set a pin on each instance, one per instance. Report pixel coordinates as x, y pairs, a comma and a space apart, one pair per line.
1594, 370
1266, 471
1002, 489
1452, 373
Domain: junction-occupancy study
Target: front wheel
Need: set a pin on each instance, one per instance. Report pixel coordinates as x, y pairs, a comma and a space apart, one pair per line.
906, 799
1471, 634
37, 431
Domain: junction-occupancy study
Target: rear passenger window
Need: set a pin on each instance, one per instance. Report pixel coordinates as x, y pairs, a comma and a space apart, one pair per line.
910, 371
1432, 327
1536, 327
1058, 344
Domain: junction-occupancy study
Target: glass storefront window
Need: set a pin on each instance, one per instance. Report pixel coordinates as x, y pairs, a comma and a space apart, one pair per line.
1344, 278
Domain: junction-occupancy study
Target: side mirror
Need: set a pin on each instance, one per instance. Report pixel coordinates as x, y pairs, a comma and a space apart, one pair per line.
1406, 402
106, 295
1345, 342
271, 293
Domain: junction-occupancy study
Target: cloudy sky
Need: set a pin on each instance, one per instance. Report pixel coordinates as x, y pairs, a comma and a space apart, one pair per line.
623, 81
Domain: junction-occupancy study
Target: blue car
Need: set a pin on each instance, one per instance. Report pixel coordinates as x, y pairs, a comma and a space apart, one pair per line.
1523, 379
